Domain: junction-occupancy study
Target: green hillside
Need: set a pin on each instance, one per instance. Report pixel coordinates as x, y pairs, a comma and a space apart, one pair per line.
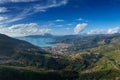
31, 73
107, 67
9, 46
28, 62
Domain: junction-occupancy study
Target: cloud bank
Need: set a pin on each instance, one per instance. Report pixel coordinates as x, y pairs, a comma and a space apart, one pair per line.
103, 31
80, 27
24, 30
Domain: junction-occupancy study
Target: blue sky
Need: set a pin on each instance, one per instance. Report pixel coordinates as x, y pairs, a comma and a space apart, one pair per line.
59, 17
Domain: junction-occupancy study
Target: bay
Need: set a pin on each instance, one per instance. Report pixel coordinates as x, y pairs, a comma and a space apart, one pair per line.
41, 41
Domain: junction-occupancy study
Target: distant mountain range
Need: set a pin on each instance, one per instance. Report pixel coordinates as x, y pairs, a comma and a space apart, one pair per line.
79, 43
47, 35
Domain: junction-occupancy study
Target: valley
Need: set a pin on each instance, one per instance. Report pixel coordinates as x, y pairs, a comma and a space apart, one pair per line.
84, 57
59, 39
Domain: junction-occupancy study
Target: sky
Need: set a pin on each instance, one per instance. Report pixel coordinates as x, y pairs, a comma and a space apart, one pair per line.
59, 17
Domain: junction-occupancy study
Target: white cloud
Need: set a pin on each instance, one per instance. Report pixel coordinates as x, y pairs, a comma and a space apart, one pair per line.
22, 12
2, 18
113, 30
103, 31
59, 20
68, 28
6, 1
50, 4
69, 24
79, 19
3, 9
59, 25
97, 31
22, 0
24, 30
79, 28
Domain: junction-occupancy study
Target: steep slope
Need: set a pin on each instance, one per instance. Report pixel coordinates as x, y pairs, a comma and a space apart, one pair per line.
101, 62
107, 67
20, 53
10, 46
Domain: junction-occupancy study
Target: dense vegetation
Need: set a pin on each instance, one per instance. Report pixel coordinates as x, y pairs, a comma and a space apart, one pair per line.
9, 46
30, 73
101, 60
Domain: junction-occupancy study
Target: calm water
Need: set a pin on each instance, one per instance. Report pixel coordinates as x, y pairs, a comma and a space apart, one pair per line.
41, 42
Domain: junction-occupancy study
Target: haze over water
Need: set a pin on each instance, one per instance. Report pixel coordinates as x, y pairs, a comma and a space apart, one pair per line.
41, 42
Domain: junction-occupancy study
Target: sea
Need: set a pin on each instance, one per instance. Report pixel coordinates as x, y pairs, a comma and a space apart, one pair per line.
41, 41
